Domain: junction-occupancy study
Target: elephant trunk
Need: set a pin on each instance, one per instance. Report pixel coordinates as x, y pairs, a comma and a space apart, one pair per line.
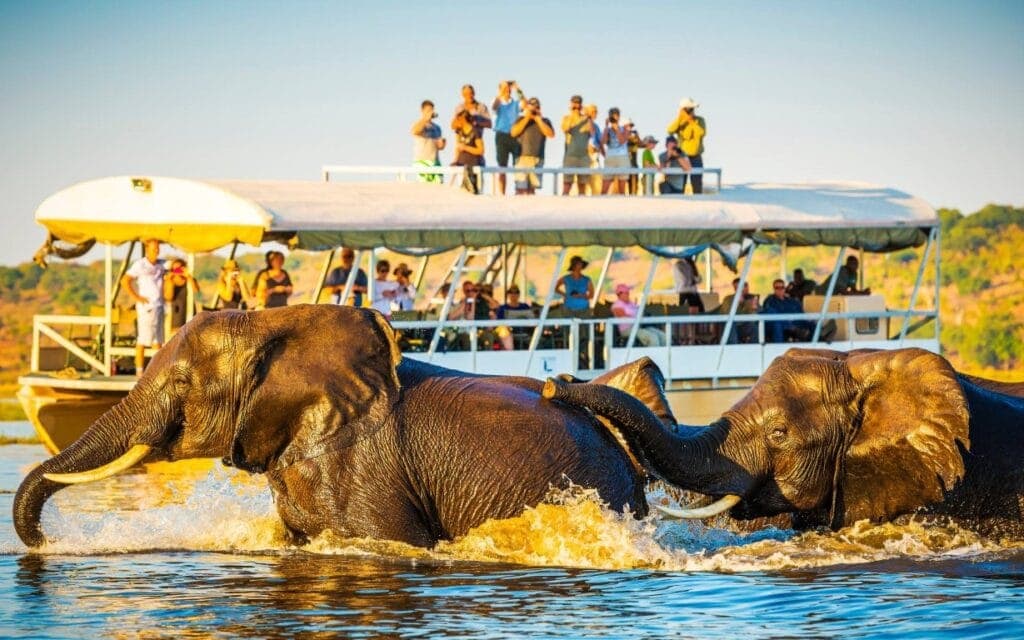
106, 441
689, 459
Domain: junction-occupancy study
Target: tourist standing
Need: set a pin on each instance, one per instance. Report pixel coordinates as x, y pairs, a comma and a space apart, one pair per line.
469, 150
577, 127
690, 129
531, 131
506, 112
575, 288
427, 141
338, 278
616, 155
144, 282
275, 285
673, 158
176, 285
479, 116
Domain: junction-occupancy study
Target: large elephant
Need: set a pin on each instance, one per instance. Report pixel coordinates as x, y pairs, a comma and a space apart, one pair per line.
836, 437
351, 437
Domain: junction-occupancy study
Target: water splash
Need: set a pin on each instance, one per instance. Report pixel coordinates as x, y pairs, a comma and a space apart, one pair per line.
222, 510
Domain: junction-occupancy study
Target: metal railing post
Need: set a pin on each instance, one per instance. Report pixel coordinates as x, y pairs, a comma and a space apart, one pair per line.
539, 329
917, 287
446, 307
324, 270
737, 296
641, 306
108, 306
828, 295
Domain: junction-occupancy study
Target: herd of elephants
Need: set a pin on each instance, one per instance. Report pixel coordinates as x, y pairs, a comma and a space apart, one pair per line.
354, 439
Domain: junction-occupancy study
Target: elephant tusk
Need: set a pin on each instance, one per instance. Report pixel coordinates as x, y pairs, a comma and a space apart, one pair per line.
722, 504
132, 456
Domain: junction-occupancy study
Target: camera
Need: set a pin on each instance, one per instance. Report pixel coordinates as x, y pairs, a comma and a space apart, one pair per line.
433, 116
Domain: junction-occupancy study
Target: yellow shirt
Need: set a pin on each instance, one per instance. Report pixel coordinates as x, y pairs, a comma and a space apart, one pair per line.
690, 134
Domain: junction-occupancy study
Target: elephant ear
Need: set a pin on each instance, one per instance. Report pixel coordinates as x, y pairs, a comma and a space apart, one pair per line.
643, 380
907, 450
326, 377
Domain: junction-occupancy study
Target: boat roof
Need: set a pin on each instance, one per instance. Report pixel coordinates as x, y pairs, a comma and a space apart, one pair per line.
203, 215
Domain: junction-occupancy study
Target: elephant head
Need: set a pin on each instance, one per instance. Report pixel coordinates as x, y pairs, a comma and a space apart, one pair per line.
834, 437
238, 386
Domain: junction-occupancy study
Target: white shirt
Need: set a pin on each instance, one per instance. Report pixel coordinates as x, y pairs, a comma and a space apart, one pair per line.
149, 281
406, 297
380, 302
684, 276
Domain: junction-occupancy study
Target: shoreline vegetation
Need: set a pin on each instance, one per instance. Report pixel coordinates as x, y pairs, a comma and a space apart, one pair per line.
982, 317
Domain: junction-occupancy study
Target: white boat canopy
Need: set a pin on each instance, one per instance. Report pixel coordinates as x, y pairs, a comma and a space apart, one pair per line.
199, 215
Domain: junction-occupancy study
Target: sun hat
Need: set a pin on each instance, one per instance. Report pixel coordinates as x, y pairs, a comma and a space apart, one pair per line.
402, 269
535, 102
627, 121
650, 140
688, 103
577, 259
622, 287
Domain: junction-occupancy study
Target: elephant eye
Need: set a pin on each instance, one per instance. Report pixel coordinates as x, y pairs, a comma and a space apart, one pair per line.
778, 434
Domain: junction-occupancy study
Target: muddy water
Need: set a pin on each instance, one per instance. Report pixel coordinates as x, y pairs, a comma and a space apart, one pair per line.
157, 555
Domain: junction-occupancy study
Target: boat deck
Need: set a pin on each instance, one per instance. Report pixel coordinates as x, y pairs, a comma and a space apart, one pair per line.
80, 381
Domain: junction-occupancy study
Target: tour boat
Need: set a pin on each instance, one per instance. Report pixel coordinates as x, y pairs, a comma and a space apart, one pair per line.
73, 376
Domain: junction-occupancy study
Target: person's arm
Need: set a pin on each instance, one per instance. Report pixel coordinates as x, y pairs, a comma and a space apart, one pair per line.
560, 287
482, 119
128, 284
545, 127
566, 124
261, 290
168, 289
605, 134
520, 126
420, 125
622, 135
247, 294
677, 122
590, 288
478, 147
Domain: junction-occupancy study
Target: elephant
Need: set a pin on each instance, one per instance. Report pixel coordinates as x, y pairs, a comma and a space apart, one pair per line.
834, 437
352, 437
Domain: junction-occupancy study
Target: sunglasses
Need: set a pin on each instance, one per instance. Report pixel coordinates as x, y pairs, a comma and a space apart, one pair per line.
779, 286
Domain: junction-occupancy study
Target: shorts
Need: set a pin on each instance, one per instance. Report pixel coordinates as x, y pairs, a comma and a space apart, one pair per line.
616, 162
150, 323
527, 180
574, 162
505, 146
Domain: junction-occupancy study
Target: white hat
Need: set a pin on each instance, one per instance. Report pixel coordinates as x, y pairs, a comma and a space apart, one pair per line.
688, 103
627, 121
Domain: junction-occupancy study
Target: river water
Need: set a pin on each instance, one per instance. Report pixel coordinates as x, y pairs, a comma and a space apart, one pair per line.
201, 554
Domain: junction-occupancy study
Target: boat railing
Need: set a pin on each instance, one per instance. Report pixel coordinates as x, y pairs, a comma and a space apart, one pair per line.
432, 174
46, 325
591, 344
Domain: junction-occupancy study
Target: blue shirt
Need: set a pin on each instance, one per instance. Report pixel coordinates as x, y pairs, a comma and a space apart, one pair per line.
506, 115
576, 285
339, 276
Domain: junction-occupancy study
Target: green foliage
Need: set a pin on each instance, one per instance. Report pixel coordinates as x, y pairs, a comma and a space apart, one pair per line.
997, 339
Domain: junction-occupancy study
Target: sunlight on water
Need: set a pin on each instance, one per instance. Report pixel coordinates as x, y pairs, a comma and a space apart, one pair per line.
223, 510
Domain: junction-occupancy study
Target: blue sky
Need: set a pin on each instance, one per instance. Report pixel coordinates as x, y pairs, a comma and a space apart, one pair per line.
924, 96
